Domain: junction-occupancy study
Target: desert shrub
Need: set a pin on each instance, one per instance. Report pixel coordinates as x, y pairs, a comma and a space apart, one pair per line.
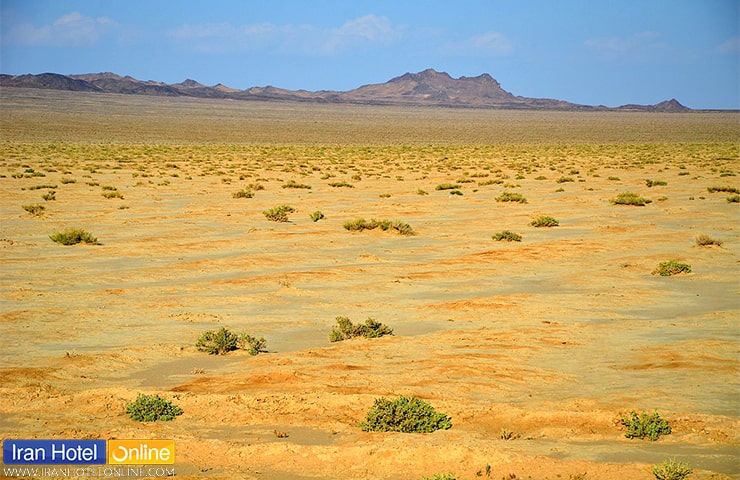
704, 240
294, 184
725, 188
217, 342
630, 198
441, 476
35, 209
645, 425
447, 186
406, 415
341, 184
511, 197
345, 329
422, 192
244, 193
671, 267
654, 183
507, 434
278, 214
150, 408
251, 344
565, 179
361, 224
73, 236
671, 470
112, 194
49, 196
496, 181
733, 199
109, 188
612, 178
544, 221
42, 186
507, 235
316, 216
68, 180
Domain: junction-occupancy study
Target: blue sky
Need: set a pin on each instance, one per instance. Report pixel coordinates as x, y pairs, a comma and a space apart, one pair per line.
609, 52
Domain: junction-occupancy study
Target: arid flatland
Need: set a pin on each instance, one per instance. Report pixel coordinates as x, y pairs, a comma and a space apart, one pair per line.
552, 338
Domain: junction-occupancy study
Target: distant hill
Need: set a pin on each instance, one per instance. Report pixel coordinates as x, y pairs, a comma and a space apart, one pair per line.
426, 88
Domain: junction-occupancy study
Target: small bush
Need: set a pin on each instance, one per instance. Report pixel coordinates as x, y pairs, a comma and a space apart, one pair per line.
456, 192
65, 180
217, 342
725, 188
251, 344
49, 196
73, 236
316, 216
112, 194
704, 240
345, 329
733, 199
645, 425
422, 192
511, 197
671, 470
244, 193
361, 224
278, 214
42, 186
441, 476
341, 184
150, 408
654, 183
612, 178
293, 184
544, 221
629, 198
507, 235
447, 186
406, 415
35, 209
565, 179
672, 267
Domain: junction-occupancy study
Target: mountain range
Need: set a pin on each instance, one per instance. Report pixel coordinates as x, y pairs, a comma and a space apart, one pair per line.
426, 88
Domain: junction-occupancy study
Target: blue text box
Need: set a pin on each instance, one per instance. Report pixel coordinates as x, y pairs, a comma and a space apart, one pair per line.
54, 452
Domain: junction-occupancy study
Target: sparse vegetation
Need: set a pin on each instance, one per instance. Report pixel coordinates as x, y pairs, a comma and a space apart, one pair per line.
152, 408
112, 194
645, 425
406, 415
565, 179
671, 267
511, 197
544, 221
223, 341
671, 470
35, 209
704, 240
294, 184
441, 476
361, 224
733, 199
725, 188
345, 329
341, 184
278, 214
243, 193
507, 235
316, 216
655, 183
73, 236
630, 198
49, 196
447, 186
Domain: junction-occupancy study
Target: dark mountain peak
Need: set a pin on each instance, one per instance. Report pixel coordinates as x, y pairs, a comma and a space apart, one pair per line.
189, 83
671, 105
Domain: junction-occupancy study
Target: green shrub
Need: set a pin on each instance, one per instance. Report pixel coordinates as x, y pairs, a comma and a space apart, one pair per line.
278, 214
35, 209
422, 192
645, 425
447, 186
441, 476
68, 180
565, 179
244, 193
406, 415
112, 194
42, 186
223, 341
293, 184
217, 342
653, 183
630, 198
361, 224
341, 184
725, 188
704, 240
507, 235
455, 192
73, 236
511, 197
251, 344
150, 408
316, 216
613, 178
672, 267
544, 221
733, 199
49, 196
345, 329
671, 470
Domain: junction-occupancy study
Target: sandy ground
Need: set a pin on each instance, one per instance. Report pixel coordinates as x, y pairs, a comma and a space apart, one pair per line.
552, 338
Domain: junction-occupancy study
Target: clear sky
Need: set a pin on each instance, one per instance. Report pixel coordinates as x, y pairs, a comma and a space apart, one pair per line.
609, 52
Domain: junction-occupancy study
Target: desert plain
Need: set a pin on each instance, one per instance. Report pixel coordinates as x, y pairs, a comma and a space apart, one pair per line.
551, 339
